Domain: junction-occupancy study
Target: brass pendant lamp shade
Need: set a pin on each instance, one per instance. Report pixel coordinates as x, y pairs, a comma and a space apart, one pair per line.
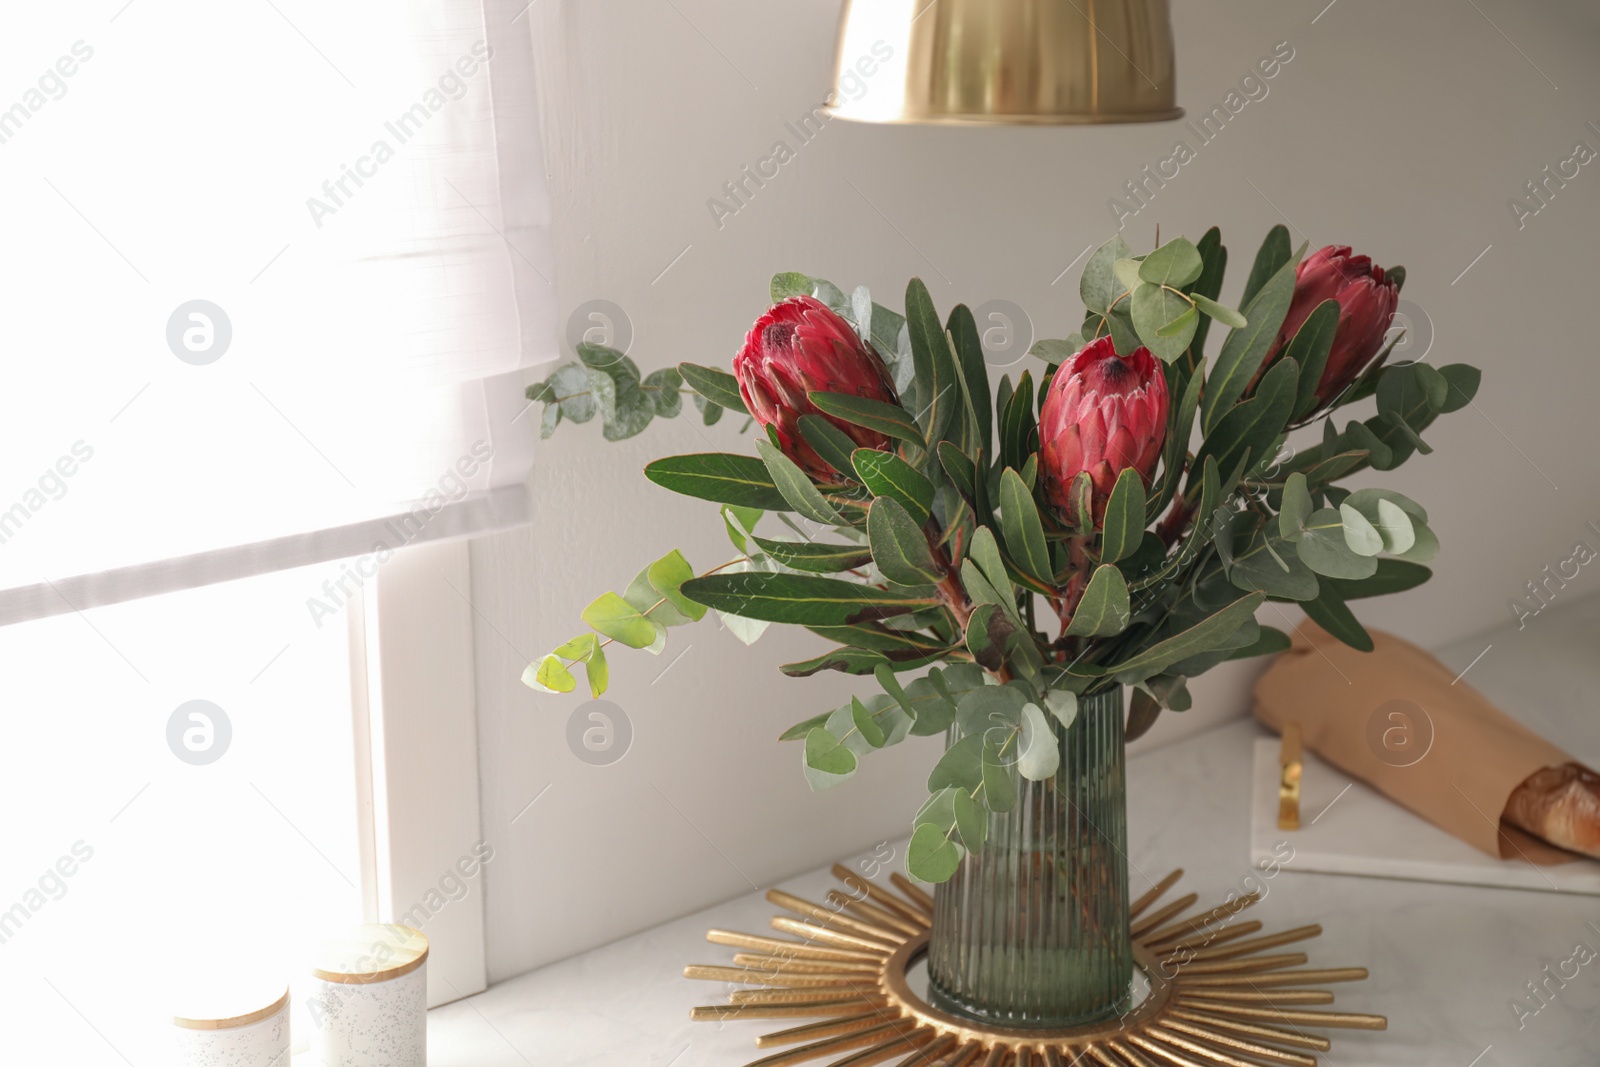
1005, 62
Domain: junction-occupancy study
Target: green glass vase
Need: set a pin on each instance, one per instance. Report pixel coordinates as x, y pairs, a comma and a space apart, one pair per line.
1033, 929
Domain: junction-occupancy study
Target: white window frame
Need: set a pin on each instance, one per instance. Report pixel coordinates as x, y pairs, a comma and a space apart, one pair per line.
417, 770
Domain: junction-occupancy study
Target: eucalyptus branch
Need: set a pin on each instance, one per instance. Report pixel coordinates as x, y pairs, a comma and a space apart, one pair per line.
569, 664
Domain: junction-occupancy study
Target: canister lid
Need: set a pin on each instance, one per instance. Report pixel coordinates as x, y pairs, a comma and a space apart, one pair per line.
225, 1003
377, 952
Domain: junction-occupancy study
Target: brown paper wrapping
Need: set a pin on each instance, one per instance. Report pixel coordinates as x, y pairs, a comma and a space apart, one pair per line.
1370, 714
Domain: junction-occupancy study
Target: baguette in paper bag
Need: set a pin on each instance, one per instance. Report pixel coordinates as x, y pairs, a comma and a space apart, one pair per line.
1393, 719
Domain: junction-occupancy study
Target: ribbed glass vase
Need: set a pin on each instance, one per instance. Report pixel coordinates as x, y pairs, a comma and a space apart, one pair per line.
1033, 929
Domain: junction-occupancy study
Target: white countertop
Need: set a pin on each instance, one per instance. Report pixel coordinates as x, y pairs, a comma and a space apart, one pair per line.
1446, 961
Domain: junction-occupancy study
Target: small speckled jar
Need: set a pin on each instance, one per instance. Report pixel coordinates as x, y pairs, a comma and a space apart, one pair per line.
258, 1038
369, 999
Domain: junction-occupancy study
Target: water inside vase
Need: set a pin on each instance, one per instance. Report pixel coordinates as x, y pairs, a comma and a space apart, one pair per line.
1033, 929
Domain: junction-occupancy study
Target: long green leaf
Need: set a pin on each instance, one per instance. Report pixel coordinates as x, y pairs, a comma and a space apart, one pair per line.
851, 660
963, 330
829, 442
796, 486
717, 386
888, 419
1270, 643
959, 466
887, 475
1310, 348
899, 547
1017, 424
843, 660
1209, 285
799, 730
985, 554
1244, 350
1176, 449
1270, 258
1391, 576
1124, 522
1256, 423
1143, 711
804, 599
1210, 633
1022, 527
982, 591
1330, 612
815, 556
936, 370
723, 477
879, 638
1104, 609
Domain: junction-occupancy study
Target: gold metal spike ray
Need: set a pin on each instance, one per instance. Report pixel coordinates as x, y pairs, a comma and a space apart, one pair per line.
1218, 996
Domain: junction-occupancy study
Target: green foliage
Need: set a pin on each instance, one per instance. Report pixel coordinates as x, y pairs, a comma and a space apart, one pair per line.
804, 599
796, 486
1104, 608
1310, 348
1018, 424
1023, 528
1245, 349
815, 556
963, 331
899, 546
887, 475
1208, 287
1270, 258
1124, 524
723, 477
889, 419
717, 386
944, 577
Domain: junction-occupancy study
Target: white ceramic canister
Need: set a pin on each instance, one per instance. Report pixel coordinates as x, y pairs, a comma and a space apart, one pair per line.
231, 1033
368, 1003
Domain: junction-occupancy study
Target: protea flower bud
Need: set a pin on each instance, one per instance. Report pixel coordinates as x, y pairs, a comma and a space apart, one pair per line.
800, 347
1103, 414
1367, 299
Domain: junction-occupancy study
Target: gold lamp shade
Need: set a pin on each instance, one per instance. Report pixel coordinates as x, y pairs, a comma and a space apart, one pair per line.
1005, 62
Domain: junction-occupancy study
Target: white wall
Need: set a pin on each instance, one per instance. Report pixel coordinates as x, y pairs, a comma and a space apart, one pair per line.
1399, 128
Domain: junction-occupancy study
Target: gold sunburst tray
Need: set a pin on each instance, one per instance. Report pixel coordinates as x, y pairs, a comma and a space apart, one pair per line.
1214, 997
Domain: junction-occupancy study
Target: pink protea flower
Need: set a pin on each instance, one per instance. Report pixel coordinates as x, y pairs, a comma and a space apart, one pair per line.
1367, 300
1103, 414
800, 347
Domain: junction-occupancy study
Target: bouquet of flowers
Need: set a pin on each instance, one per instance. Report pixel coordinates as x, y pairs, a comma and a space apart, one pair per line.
1114, 517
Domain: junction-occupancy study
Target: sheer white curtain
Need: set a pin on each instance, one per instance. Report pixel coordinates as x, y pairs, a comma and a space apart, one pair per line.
269, 276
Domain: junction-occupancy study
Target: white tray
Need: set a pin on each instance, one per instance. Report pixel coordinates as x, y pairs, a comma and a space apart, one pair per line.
1347, 827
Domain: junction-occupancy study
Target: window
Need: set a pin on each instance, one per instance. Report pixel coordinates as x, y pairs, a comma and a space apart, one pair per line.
178, 777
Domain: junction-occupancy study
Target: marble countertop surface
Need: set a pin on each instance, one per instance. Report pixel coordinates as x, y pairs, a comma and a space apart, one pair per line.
1450, 964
